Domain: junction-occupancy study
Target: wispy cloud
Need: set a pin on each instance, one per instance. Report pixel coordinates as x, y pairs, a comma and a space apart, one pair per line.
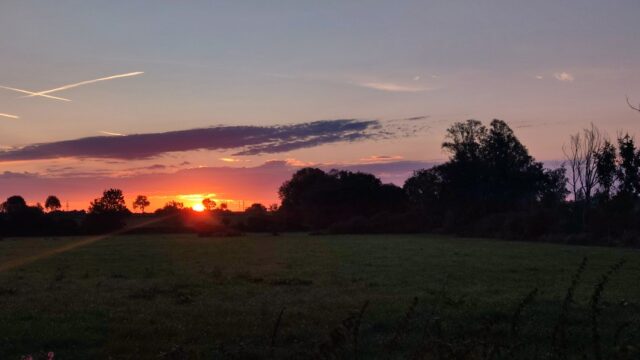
112, 133
564, 76
381, 158
417, 118
392, 87
232, 160
10, 116
533, 124
46, 93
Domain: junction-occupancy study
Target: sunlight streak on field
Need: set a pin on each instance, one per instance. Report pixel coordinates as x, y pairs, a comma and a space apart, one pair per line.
15, 263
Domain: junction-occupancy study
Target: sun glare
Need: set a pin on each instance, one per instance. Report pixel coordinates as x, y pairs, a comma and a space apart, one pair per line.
198, 207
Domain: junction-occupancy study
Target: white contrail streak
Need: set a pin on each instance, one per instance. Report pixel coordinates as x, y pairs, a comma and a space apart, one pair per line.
65, 87
46, 93
32, 93
10, 116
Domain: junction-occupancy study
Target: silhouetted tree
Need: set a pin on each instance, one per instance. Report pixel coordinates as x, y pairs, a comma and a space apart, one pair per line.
606, 167
14, 204
106, 213
316, 199
141, 202
306, 198
581, 155
511, 176
464, 139
256, 209
489, 169
554, 188
209, 204
21, 219
52, 203
112, 201
628, 175
425, 190
489, 172
573, 155
171, 207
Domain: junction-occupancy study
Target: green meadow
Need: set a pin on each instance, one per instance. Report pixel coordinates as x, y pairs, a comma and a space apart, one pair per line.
296, 296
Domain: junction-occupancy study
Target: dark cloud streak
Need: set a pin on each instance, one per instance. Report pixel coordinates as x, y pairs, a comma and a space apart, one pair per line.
250, 140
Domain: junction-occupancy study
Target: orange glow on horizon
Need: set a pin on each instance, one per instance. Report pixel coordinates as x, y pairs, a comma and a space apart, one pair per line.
198, 207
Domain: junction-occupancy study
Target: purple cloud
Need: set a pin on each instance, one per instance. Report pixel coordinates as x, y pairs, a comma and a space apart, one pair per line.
249, 140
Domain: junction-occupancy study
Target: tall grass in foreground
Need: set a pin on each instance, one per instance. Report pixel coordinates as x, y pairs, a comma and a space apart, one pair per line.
530, 328
494, 341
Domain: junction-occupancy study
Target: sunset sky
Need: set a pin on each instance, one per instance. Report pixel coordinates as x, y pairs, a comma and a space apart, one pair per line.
227, 98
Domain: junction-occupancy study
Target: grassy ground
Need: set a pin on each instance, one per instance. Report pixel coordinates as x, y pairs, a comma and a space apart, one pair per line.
179, 295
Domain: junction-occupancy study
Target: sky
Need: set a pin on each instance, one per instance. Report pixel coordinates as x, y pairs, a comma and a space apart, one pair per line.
228, 98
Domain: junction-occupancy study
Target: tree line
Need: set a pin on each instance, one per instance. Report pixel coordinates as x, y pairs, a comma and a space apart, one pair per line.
489, 186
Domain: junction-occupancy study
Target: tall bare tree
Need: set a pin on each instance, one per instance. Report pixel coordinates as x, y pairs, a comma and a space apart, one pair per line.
581, 156
573, 155
592, 142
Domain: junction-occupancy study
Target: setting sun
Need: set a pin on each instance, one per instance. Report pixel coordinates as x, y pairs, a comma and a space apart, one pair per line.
198, 207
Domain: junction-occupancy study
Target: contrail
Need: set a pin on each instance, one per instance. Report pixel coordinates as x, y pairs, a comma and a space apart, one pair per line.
31, 93
65, 87
46, 93
10, 116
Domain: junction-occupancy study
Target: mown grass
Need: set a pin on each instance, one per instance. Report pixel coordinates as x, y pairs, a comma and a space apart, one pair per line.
257, 296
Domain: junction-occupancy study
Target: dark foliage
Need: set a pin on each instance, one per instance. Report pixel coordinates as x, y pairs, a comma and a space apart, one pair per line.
19, 219
106, 213
490, 186
314, 199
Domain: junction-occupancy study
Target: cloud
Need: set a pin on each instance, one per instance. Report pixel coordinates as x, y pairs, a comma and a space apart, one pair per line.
232, 160
391, 87
151, 167
249, 140
564, 76
416, 118
539, 77
111, 133
533, 124
9, 116
9, 175
381, 158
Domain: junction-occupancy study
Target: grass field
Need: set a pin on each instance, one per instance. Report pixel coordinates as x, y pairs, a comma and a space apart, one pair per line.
181, 296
